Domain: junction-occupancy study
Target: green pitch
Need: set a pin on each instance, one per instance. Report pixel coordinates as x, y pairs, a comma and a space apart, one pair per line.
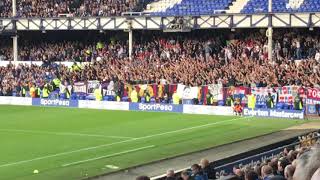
65, 144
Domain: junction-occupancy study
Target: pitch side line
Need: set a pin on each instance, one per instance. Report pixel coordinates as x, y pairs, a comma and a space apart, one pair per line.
64, 133
120, 142
110, 155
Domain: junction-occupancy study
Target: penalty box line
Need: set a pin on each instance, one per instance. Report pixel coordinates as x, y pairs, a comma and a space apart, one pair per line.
64, 133
119, 142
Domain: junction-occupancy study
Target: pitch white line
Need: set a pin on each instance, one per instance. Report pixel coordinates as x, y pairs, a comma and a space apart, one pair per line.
120, 142
110, 155
64, 133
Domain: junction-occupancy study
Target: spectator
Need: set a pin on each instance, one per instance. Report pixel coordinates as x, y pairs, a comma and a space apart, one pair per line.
282, 163
266, 172
170, 175
207, 169
288, 172
307, 164
185, 175
55, 8
143, 178
239, 174
251, 175
197, 173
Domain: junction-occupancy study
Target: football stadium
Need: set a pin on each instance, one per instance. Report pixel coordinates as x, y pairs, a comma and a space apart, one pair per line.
160, 89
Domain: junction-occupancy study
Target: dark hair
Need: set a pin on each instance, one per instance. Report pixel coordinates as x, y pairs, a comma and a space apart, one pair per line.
196, 166
283, 162
185, 173
143, 178
251, 175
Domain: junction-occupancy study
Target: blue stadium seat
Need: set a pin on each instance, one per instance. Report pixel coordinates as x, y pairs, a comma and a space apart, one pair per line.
221, 103
196, 7
125, 99
280, 105
73, 96
82, 97
152, 100
291, 107
90, 98
256, 6
62, 96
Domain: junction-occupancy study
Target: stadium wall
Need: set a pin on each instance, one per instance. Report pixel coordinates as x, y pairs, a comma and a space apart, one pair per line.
126, 106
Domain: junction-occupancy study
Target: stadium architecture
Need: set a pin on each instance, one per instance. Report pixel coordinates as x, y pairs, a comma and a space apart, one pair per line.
248, 105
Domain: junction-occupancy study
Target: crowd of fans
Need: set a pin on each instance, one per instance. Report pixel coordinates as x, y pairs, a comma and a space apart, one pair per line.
189, 59
69, 8
298, 163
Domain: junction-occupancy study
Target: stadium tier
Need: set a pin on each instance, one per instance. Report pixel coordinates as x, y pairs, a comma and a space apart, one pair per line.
70, 8
291, 6
195, 7
88, 8
208, 7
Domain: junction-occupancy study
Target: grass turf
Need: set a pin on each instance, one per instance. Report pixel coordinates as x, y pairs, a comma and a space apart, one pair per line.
46, 139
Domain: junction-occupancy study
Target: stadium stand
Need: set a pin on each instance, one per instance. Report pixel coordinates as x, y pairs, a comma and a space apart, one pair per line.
195, 7
294, 160
186, 59
71, 8
87, 8
261, 6
161, 6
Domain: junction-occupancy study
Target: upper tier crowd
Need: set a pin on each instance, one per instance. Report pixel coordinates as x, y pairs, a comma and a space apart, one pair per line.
189, 59
70, 8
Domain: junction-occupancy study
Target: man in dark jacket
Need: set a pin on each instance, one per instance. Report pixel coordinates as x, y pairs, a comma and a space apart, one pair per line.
197, 173
206, 168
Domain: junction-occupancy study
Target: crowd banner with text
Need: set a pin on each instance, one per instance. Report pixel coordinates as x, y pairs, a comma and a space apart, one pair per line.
216, 90
92, 85
313, 96
262, 93
236, 92
80, 87
288, 93
190, 92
